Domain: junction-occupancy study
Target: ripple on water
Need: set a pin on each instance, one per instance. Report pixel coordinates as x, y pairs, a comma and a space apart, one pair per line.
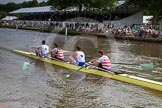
38, 86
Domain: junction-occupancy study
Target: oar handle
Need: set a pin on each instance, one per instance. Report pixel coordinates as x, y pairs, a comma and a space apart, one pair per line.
95, 67
124, 63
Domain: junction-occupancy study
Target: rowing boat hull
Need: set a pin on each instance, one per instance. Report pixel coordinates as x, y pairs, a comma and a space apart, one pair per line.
121, 77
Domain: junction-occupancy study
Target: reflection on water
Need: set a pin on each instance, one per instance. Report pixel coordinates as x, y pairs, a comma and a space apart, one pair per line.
41, 85
146, 49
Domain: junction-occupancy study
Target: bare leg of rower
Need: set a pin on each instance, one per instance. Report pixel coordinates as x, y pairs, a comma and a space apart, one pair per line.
71, 59
37, 52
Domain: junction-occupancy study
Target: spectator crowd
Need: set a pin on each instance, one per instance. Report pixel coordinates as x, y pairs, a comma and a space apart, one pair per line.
143, 30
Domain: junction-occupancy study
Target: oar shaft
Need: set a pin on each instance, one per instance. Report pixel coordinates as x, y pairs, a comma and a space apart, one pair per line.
147, 66
3, 48
66, 76
95, 67
124, 63
89, 57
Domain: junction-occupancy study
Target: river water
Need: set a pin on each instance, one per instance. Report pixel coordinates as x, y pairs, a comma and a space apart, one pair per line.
41, 86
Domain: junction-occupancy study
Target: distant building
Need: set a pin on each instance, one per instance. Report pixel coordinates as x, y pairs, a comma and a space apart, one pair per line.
123, 10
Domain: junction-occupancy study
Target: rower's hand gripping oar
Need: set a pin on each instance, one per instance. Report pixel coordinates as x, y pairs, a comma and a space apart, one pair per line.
26, 64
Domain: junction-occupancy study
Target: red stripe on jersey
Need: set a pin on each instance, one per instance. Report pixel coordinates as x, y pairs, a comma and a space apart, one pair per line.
106, 63
59, 54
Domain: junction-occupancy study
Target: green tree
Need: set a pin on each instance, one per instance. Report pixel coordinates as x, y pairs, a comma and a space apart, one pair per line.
10, 6
34, 3
104, 5
152, 7
3, 14
43, 3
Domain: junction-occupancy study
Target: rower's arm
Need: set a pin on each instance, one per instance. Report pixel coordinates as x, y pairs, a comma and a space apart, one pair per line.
74, 55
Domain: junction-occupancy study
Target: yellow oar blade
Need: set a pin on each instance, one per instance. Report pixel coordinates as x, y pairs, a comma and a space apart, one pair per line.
25, 65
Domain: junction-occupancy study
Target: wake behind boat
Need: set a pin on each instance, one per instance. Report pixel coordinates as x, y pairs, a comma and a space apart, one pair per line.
120, 77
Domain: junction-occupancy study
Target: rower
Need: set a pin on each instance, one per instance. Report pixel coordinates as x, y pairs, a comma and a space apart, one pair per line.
42, 50
77, 57
57, 53
103, 61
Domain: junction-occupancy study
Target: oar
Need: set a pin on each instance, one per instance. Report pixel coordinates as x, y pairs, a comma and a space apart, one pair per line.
68, 75
3, 48
109, 71
26, 64
93, 67
147, 66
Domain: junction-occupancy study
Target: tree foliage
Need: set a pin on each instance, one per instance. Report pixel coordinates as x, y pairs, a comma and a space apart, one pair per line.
104, 5
3, 14
33, 3
11, 6
43, 3
152, 7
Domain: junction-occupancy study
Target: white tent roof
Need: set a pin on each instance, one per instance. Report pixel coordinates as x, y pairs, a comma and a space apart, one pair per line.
34, 10
9, 18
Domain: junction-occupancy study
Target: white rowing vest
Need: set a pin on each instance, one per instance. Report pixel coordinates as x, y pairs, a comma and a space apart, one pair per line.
80, 56
44, 49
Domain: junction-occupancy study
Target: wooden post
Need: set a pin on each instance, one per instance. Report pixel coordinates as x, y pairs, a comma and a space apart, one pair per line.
66, 31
